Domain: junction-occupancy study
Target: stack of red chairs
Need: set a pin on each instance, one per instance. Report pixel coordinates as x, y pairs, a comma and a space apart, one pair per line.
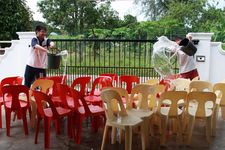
15, 80
13, 103
80, 110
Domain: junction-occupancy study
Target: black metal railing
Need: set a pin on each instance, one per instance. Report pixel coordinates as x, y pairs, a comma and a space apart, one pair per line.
95, 56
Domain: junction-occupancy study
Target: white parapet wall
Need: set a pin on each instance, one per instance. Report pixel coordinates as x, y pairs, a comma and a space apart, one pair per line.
217, 65
13, 62
210, 57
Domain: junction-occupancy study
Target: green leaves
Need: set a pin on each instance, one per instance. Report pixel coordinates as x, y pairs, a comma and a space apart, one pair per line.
14, 17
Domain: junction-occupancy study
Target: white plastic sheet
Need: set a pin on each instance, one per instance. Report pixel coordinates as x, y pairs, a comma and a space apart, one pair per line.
164, 54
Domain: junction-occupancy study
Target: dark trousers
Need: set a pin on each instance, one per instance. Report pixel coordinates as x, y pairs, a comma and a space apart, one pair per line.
32, 74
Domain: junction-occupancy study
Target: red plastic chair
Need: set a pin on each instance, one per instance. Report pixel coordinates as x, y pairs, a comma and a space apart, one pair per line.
82, 83
55, 93
48, 114
113, 76
96, 113
15, 104
7, 81
99, 83
130, 82
56, 79
167, 80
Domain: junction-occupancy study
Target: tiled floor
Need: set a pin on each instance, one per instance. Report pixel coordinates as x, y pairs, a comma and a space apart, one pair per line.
92, 141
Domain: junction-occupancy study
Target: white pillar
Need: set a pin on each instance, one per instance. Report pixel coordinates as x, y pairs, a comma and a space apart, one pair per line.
203, 54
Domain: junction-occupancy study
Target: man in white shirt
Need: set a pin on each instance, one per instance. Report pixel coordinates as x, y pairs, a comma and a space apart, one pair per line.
187, 67
36, 66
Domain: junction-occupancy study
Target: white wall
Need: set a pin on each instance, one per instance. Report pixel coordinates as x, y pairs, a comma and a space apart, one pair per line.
13, 62
217, 65
212, 69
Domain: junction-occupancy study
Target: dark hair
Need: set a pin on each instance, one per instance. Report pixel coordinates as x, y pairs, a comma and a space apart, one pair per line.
39, 28
178, 38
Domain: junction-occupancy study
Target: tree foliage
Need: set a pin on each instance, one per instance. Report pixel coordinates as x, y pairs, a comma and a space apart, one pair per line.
78, 16
153, 9
14, 16
191, 15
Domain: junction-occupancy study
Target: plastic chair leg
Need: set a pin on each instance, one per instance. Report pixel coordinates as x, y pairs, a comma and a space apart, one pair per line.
164, 123
33, 114
113, 135
37, 129
47, 123
190, 128
128, 138
79, 129
215, 116
69, 126
57, 126
25, 122
104, 137
223, 112
0, 116
208, 129
8, 120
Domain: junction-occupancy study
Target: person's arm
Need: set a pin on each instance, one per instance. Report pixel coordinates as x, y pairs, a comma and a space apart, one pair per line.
50, 43
35, 45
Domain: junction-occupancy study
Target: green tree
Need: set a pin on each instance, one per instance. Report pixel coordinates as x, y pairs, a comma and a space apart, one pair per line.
153, 9
71, 16
188, 13
212, 20
129, 19
78, 17
14, 16
108, 18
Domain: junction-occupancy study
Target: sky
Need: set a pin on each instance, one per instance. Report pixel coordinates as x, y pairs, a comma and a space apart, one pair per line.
123, 7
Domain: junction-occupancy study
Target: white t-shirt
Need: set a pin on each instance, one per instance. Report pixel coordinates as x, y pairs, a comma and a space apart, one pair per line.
186, 62
38, 58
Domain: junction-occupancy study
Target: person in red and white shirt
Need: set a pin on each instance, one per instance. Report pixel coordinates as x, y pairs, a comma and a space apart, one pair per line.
36, 65
187, 68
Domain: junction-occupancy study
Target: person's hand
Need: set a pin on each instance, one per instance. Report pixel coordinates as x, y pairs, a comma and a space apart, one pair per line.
52, 45
189, 37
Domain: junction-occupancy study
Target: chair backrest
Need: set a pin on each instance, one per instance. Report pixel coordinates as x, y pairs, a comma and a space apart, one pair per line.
195, 78
152, 81
56, 79
201, 98
19, 80
42, 85
144, 91
200, 86
76, 97
82, 83
43, 100
101, 81
219, 90
64, 91
123, 93
159, 89
113, 76
173, 98
129, 81
109, 95
181, 84
9, 81
13, 92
